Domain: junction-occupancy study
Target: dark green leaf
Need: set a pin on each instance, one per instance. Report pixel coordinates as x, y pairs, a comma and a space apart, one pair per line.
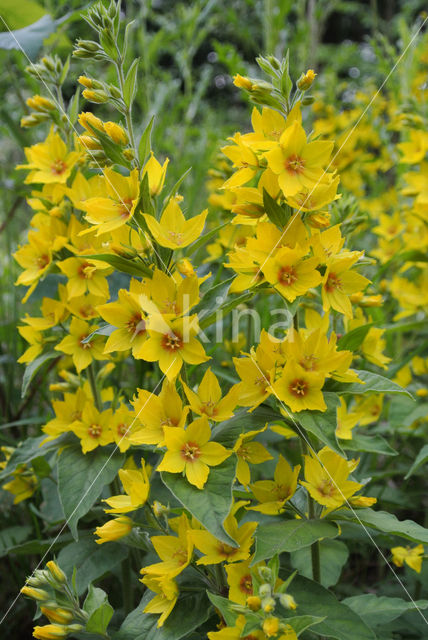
12, 536
33, 367
333, 556
289, 536
421, 459
275, 212
125, 265
226, 433
81, 479
376, 610
371, 443
353, 339
322, 424
212, 505
145, 143
131, 83
385, 522
223, 605
99, 609
301, 623
373, 383
29, 449
340, 621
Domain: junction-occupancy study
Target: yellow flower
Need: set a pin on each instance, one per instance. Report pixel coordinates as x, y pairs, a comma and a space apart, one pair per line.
118, 207
114, 529
128, 316
216, 551
170, 295
156, 174
36, 341
66, 411
291, 274
339, 282
242, 82
23, 485
326, 478
412, 557
191, 452
49, 161
82, 352
164, 601
174, 551
243, 158
173, 230
156, 412
240, 581
298, 163
59, 615
346, 421
171, 343
85, 275
249, 452
306, 79
136, 486
300, 389
273, 494
255, 373
123, 424
35, 258
93, 428
208, 398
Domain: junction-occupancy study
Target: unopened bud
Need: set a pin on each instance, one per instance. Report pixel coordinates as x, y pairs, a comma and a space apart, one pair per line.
306, 79
242, 82
274, 62
265, 574
57, 614
287, 601
56, 571
39, 103
88, 142
129, 154
36, 594
48, 63
271, 626
265, 590
116, 132
33, 120
268, 604
98, 96
254, 603
307, 100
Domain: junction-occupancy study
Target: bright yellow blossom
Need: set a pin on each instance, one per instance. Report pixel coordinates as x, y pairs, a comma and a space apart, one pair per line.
114, 529
300, 389
174, 551
156, 174
411, 556
49, 161
273, 494
291, 273
93, 428
189, 451
249, 452
173, 230
167, 594
85, 275
136, 485
79, 347
207, 400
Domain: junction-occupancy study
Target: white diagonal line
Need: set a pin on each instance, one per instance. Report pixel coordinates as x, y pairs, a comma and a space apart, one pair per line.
375, 95
308, 443
89, 151
84, 496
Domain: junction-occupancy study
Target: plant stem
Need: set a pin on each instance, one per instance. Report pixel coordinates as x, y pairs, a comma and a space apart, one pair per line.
315, 547
94, 387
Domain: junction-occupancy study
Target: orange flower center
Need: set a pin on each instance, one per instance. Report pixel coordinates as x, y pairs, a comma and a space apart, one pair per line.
136, 324
122, 429
42, 261
180, 556
176, 237
172, 342
287, 276
82, 344
169, 422
190, 451
58, 167
333, 282
226, 550
95, 430
294, 165
262, 382
243, 453
327, 488
298, 388
282, 491
246, 584
309, 362
85, 270
126, 206
209, 408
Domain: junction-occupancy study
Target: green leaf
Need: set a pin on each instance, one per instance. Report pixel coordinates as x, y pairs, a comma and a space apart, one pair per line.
28, 450
353, 339
12, 536
289, 536
371, 443
212, 505
333, 556
73, 107
226, 308
33, 367
190, 612
376, 610
421, 458
130, 86
322, 424
145, 142
90, 560
212, 296
227, 432
81, 479
19, 15
301, 623
385, 522
339, 622
99, 609
204, 239
223, 605
275, 212
374, 383
125, 265
403, 411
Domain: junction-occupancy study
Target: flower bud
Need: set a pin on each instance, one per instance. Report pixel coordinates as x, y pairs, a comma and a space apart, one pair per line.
306, 79
85, 82
56, 571
159, 509
114, 91
265, 591
88, 45
265, 574
242, 82
36, 594
268, 604
271, 626
307, 100
185, 267
116, 132
33, 120
75, 628
39, 103
129, 154
50, 632
114, 529
88, 142
48, 63
274, 62
254, 603
90, 122
287, 601
98, 96
57, 614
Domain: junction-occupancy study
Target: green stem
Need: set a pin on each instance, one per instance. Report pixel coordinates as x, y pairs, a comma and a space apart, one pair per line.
127, 112
186, 380
315, 548
94, 387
